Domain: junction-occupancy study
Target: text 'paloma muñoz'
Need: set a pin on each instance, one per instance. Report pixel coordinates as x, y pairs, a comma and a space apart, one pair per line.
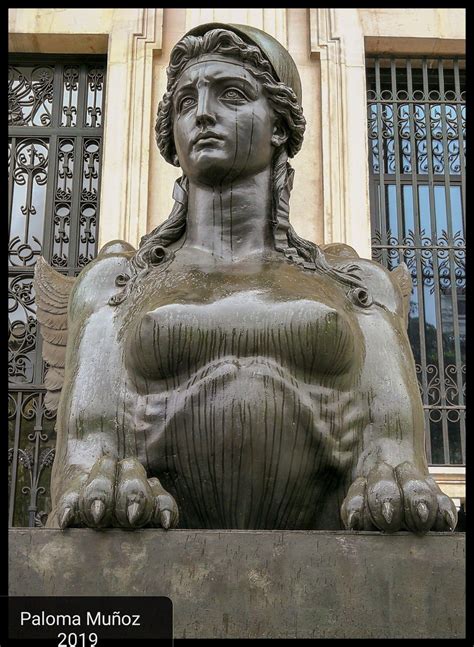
97, 619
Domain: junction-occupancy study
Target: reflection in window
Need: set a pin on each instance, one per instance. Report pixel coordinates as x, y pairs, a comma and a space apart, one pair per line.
416, 118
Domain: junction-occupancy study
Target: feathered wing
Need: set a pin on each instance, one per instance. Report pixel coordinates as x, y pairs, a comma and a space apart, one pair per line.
402, 276
340, 249
52, 297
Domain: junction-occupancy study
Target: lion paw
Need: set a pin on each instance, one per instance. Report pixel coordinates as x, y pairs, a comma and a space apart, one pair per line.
400, 498
118, 494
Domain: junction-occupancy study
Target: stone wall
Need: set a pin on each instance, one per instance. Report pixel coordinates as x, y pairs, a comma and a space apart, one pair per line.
259, 584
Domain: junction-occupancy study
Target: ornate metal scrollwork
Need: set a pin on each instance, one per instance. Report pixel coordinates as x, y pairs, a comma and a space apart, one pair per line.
35, 455
30, 95
416, 151
53, 212
22, 329
95, 80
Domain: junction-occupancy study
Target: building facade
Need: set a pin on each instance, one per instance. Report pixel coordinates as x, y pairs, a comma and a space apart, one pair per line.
381, 169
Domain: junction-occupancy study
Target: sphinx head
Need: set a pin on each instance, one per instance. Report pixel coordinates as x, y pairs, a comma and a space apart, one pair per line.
232, 107
227, 112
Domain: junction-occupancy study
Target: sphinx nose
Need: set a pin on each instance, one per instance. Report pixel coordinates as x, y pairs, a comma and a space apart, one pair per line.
205, 113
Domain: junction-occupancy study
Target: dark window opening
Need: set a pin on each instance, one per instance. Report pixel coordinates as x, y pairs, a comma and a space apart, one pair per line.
417, 123
55, 118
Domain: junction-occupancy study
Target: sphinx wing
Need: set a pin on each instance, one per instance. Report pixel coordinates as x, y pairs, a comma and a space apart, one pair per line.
402, 276
52, 298
340, 250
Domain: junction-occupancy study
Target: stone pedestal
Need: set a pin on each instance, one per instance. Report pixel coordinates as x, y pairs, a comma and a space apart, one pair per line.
259, 584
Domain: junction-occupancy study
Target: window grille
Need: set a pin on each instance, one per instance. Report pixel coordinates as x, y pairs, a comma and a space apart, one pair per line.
416, 123
55, 118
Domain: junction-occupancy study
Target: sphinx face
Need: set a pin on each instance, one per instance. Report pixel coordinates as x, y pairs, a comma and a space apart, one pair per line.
223, 122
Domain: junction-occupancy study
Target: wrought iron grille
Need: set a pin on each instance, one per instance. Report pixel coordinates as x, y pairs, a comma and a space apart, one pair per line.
55, 118
416, 119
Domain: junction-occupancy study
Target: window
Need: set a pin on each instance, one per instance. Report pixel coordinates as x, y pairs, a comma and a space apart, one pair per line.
55, 114
416, 118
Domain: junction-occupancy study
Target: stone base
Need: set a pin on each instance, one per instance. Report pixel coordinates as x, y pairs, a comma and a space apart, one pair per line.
259, 584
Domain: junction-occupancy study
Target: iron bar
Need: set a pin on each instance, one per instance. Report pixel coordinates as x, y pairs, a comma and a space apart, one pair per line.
454, 299
435, 258
380, 191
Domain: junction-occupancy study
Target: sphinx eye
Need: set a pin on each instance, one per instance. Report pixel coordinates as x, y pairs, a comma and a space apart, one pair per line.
232, 94
187, 102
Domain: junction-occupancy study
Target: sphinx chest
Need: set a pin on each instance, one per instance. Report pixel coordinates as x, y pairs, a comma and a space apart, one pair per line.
175, 337
244, 396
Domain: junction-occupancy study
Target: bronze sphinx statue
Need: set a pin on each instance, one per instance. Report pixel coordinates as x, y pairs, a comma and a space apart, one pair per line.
228, 373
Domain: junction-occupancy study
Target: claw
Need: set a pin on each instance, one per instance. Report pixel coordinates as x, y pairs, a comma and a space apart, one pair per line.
66, 518
133, 512
97, 510
422, 511
450, 519
353, 520
165, 518
387, 511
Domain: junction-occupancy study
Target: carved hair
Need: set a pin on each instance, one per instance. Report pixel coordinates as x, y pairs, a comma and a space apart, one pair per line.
152, 249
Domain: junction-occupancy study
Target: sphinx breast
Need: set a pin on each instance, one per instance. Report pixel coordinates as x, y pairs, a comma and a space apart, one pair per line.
307, 337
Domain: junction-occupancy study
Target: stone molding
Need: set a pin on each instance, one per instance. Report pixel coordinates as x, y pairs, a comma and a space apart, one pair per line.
273, 21
451, 479
124, 194
337, 39
411, 46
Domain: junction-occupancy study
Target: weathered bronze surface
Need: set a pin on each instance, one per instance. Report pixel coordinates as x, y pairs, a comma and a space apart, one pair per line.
228, 373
